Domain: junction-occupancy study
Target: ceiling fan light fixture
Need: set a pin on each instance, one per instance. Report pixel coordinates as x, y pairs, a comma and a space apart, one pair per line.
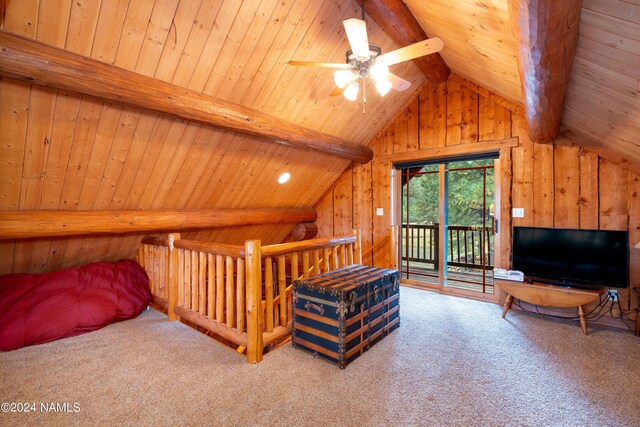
342, 77
379, 71
351, 92
383, 86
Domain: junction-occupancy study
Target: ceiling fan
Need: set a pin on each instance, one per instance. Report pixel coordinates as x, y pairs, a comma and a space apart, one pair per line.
366, 60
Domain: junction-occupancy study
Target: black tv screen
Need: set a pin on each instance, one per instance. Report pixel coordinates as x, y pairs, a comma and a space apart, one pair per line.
583, 258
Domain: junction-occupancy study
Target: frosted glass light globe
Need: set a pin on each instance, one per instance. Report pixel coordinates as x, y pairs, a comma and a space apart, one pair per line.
342, 77
379, 71
351, 92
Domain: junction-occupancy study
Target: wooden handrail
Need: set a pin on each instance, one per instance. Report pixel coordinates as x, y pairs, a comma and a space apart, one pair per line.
224, 249
305, 245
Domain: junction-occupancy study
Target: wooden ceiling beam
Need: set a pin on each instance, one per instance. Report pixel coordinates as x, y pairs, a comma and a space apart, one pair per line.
546, 34
397, 21
28, 60
31, 224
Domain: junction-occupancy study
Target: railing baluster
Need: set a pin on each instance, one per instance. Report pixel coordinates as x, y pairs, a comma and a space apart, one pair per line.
411, 243
153, 270
305, 264
181, 288
325, 259
282, 289
211, 286
162, 271
268, 293
473, 247
294, 266
316, 262
465, 245
450, 245
194, 281
202, 280
230, 293
187, 279
219, 288
241, 310
334, 258
436, 247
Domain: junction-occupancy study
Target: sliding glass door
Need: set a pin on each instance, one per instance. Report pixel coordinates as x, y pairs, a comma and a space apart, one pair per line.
448, 225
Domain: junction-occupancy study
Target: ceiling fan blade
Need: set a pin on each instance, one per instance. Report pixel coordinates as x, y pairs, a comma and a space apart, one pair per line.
412, 51
398, 83
338, 90
357, 34
320, 64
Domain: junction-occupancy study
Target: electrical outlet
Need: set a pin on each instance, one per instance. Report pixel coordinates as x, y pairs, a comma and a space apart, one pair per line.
613, 295
518, 212
380, 211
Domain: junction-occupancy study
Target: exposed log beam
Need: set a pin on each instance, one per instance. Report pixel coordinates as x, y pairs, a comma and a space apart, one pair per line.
546, 34
29, 224
304, 231
29, 60
397, 21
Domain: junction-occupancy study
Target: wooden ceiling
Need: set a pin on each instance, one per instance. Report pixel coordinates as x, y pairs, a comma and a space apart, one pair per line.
602, 101
63, 151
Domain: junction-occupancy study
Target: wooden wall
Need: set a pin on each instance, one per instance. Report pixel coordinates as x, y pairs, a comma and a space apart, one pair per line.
558, 185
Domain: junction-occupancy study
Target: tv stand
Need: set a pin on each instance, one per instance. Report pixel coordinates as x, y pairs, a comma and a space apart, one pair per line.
549, 296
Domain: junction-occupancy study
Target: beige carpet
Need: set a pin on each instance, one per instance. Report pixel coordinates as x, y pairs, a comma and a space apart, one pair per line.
452, 362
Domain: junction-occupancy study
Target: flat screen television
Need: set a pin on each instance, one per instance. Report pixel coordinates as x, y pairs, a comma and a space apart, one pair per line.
581, 258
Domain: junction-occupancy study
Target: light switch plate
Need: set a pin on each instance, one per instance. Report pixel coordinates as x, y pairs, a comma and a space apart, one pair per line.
380, 211
518, 212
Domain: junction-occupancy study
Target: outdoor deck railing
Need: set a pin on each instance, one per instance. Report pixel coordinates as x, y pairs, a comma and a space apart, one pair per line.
468, 246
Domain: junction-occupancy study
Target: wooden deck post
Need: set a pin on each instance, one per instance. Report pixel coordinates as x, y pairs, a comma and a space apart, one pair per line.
172, 280
358, 249
393, 249
254, 300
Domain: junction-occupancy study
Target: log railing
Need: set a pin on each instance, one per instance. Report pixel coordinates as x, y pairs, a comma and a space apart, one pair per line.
240, 293
153, 255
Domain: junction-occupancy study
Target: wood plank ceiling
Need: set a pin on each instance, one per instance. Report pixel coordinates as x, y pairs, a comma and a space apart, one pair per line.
61, 151
602, 100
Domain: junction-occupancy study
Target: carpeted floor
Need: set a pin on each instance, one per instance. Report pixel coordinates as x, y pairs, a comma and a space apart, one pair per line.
452, 362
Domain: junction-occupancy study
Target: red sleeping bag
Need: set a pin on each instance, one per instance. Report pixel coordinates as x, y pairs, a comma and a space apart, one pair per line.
38, 308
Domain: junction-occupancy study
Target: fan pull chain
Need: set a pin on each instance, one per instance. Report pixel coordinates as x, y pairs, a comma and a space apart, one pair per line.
364, 96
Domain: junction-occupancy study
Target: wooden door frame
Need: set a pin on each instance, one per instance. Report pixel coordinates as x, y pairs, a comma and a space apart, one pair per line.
502, 207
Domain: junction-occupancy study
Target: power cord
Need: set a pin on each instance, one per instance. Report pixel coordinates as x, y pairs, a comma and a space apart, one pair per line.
588, 316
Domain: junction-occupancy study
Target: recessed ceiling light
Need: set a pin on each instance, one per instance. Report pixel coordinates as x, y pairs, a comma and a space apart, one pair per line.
284, 178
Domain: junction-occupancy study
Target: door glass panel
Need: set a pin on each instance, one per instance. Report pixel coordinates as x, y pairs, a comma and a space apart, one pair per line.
420, 213
470, 225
